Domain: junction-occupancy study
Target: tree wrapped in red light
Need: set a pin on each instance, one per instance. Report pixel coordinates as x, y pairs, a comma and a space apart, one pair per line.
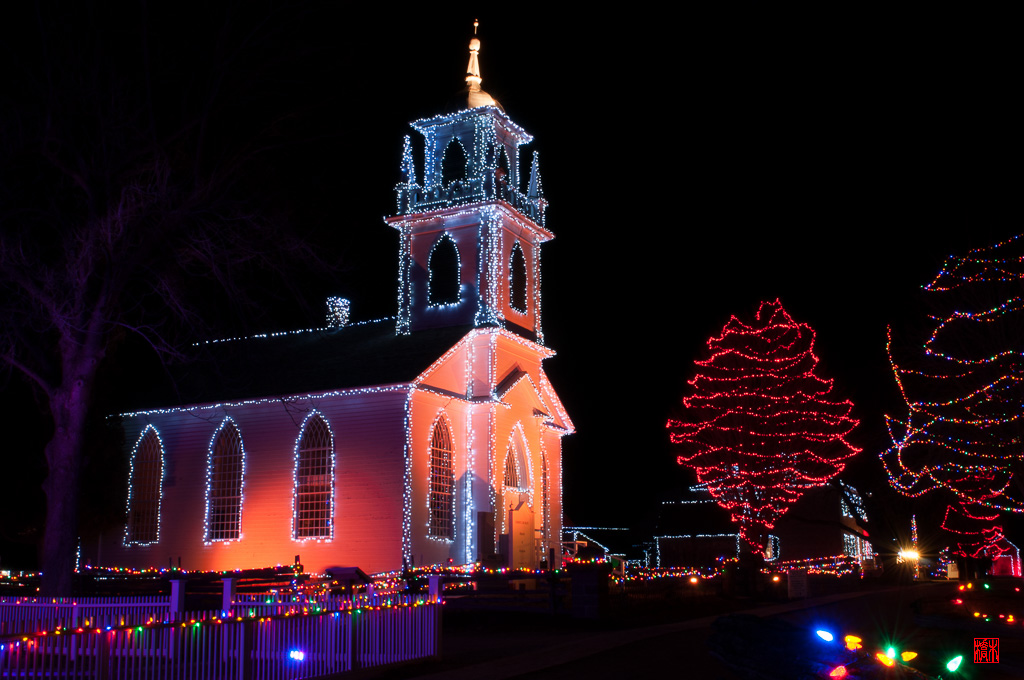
964, 392
974, 529
760, 427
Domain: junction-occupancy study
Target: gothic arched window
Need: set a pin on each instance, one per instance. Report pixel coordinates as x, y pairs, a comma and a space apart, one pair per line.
314, 480
224, 473
517, 280
501, 174
511, 477
453, 163
515, 466
144, 486
502, 163
443, 287
442, 482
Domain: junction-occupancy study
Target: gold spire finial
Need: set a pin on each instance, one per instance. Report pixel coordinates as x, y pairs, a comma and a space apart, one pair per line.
476, 97
473, 78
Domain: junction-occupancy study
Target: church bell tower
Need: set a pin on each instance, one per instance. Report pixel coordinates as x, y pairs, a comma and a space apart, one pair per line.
470, 231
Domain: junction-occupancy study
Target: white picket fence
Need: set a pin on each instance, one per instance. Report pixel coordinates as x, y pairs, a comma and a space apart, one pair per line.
273, 648
34, 614
281, 635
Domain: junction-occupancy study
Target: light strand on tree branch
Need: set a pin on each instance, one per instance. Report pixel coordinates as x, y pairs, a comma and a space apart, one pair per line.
759, 427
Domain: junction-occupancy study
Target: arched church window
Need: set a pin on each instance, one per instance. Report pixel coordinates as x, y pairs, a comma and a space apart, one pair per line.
144, 486
225, 469
453, 163
443, 270
314, 480
517, 279
502, 163
511, 477
501, 175
442, 482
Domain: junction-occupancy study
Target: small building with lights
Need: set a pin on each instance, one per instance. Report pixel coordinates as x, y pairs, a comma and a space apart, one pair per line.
820, 531
430, 437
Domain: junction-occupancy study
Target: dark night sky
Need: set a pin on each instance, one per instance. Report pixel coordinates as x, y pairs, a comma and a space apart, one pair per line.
695, 165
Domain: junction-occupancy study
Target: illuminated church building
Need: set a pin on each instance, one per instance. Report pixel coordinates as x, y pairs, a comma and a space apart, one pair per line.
429, 437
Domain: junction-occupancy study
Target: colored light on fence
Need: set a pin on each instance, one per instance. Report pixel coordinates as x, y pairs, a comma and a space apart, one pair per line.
297, 655
986, 586
693, 579
886, 659
907, 656
838, 672
954, 663
776, 579
891, 652
958, 601
825, 635
852, 642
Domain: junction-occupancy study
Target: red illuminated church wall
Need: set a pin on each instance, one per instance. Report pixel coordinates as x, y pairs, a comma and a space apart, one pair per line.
369, 459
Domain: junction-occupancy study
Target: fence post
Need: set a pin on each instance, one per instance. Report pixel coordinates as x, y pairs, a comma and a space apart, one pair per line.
435, 587
177, 604
355, 660
438, 629
103, 655
229, 595
246, 663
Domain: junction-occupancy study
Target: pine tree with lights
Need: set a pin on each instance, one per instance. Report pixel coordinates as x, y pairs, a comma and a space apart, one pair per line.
760, 427
964, 392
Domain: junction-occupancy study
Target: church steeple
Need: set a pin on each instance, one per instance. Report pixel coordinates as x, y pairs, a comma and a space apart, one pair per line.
473, 78
476, 97
471, 200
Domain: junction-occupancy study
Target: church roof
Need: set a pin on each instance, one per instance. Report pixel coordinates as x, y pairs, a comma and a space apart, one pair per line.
303, 362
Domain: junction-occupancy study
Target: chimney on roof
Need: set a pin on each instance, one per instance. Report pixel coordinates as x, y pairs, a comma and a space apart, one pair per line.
337, 312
